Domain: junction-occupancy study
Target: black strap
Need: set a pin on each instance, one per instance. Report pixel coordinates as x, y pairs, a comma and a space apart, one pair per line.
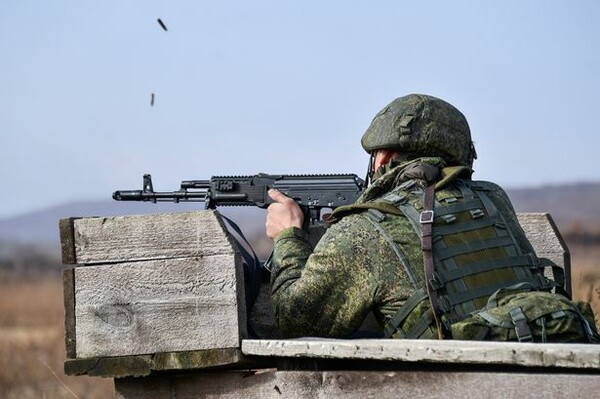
252, 269
249, 258
445, 276
422, 326
521, 325
426, 220
558, 275
411, 303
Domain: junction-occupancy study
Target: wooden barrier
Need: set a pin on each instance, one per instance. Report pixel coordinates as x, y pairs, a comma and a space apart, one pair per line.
151, 284
547, 242
354, 384
388, 369
157, 302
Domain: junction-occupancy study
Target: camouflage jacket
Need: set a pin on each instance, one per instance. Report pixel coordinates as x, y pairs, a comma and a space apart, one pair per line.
329, 290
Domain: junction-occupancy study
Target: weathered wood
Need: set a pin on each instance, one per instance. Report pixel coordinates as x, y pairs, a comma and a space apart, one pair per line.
125, 366
145, 237
545, 237
580, 356
159, 306
547, 241
69, 302
143, 365
67, 240
359, 385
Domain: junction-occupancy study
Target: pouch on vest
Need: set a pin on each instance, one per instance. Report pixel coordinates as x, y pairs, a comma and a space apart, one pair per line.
532, 316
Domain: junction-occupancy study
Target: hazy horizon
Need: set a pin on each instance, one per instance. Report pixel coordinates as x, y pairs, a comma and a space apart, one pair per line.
188, 206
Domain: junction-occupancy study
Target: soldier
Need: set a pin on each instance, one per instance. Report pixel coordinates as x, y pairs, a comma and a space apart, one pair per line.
432, 253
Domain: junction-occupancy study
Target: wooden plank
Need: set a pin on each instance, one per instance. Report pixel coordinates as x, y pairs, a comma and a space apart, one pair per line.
580, 356
360, 384
123, 366
547, 241
545, 237
67, 240
143, 365
145, 237
157, 306
69, 302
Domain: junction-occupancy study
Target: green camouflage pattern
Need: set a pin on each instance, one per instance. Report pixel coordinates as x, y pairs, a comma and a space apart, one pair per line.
551, 318
327, 291
422, 125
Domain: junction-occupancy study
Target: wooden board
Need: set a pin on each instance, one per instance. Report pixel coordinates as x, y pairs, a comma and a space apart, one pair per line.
545, 237
144, 365
101, 240
69, 302
547, 241
411, 384
159, 306
572, 356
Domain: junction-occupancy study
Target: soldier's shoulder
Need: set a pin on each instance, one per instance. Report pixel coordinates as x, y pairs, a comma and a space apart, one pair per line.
485, 185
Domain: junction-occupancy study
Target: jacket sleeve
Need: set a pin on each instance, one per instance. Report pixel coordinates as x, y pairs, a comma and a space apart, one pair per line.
329, 291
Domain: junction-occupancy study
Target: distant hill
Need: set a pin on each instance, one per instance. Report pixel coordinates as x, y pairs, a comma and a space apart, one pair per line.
33, 238
41, 227
569, 204
30, 243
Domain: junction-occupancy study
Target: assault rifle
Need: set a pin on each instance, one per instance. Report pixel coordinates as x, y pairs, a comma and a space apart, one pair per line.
312, 192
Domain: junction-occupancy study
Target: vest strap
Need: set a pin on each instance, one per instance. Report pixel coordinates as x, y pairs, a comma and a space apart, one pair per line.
393, 324
426, 220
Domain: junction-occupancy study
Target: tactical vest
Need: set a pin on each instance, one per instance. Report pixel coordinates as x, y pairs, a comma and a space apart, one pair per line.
475, 254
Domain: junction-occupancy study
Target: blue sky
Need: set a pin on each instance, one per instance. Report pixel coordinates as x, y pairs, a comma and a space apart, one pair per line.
243, 87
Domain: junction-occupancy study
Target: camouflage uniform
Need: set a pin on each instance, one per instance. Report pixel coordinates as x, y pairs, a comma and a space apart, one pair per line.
353, 269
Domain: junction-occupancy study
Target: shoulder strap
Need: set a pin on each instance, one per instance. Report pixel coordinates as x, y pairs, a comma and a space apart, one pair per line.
423, 225
426, 220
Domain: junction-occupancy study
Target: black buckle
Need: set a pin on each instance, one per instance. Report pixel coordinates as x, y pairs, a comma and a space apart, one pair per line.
521, 327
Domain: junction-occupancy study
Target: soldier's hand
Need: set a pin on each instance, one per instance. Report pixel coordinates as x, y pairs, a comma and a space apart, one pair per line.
281, 214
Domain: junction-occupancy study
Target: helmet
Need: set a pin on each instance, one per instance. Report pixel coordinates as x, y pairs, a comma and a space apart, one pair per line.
422, 125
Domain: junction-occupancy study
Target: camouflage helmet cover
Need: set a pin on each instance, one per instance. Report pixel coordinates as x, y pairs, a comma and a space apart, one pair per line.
423, 125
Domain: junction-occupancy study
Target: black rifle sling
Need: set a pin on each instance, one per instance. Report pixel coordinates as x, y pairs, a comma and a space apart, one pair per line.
426, 220
251, 264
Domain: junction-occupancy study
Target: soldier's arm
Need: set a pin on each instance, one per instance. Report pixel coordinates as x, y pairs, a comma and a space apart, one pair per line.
329, 291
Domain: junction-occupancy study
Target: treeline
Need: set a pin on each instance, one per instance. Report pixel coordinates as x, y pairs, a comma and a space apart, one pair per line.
28, 260
577, 236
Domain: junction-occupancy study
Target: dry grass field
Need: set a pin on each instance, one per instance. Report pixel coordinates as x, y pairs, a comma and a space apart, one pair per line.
585, 262
32, 347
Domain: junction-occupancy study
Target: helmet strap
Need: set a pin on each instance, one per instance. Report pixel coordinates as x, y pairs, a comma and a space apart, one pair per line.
370, 169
